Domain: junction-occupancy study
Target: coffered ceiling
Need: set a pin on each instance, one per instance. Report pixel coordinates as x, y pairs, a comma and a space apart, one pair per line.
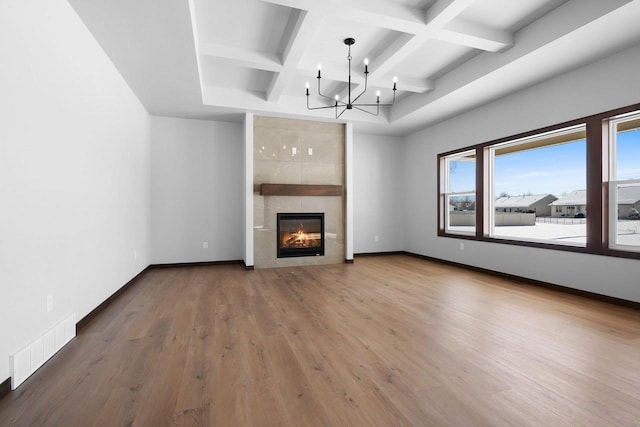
218, 59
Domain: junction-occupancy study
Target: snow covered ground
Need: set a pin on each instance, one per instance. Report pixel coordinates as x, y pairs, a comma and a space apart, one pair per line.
572, 234
628, 232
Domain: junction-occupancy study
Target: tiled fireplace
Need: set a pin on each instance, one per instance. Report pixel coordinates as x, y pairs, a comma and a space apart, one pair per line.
304, 155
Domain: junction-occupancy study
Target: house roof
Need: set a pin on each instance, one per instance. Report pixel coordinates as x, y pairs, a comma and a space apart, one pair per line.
522, 201
575, 198
629, 195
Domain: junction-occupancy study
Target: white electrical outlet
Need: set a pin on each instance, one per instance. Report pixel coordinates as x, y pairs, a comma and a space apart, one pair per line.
310, 151
49, 303
462, 246
205, 245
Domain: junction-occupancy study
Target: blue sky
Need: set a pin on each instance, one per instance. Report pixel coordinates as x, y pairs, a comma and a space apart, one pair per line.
558, 170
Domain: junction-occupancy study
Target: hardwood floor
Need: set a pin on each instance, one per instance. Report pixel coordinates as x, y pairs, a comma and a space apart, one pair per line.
386, 341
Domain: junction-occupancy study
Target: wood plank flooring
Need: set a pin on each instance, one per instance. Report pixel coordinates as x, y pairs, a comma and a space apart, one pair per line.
386, 341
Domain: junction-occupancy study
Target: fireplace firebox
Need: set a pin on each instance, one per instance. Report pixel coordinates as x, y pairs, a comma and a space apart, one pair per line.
300, 234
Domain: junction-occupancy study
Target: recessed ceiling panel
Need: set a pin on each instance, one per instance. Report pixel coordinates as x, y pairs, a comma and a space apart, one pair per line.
416, 4
511, 15
228, 76
431, 58
327, 46
247, 24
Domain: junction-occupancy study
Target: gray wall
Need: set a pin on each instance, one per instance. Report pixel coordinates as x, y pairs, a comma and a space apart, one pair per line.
74, 173
378, 193
196, 190
607, 84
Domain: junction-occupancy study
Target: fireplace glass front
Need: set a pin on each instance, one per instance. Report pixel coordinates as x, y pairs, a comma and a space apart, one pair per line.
300, 234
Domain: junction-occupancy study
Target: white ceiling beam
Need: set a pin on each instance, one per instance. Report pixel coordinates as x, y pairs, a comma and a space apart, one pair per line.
467, 33
241, 57
541, 46
297, 41
445, 11
382, 13
394, 53
296, 4
407, 84
438, 15
291, 106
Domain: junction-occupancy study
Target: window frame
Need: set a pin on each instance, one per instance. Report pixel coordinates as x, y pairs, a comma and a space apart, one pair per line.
614, 181
535, 141
598, 183
444, 176
613, 219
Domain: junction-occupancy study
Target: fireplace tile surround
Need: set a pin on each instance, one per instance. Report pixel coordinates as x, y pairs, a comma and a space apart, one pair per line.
289, 151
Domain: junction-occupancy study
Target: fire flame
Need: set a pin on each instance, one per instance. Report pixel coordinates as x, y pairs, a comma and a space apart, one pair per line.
297, 239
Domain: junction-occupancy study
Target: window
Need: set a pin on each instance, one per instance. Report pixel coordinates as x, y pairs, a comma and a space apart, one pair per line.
458, 193
574, 186
624, 184
543, 179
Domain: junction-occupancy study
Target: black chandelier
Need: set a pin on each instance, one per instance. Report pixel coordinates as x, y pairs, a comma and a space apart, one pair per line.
350, 105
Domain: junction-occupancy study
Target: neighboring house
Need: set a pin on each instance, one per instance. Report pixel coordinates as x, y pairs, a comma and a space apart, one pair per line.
576, 202
570, 205
628, 199
538, 204
466, 204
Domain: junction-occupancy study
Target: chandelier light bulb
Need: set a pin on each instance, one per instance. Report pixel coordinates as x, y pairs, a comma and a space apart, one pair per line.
395, 79
319, 67
366, 61
378, 93
306, 85
337, 97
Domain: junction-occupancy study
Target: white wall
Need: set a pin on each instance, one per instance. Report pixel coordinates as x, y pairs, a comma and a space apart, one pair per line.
378, 193
604, 85
197, 173
74, 172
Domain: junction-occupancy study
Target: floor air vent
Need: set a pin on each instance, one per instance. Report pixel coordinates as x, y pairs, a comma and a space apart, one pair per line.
26, 361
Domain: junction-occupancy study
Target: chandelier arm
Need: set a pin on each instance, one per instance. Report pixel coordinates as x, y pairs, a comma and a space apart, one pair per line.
371, 105
326, 97
338, 115
367, 111
379, 104
320, 93
365, 87
319, 108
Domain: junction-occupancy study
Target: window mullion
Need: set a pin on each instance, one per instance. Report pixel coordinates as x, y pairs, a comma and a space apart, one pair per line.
595, 208
480, 199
